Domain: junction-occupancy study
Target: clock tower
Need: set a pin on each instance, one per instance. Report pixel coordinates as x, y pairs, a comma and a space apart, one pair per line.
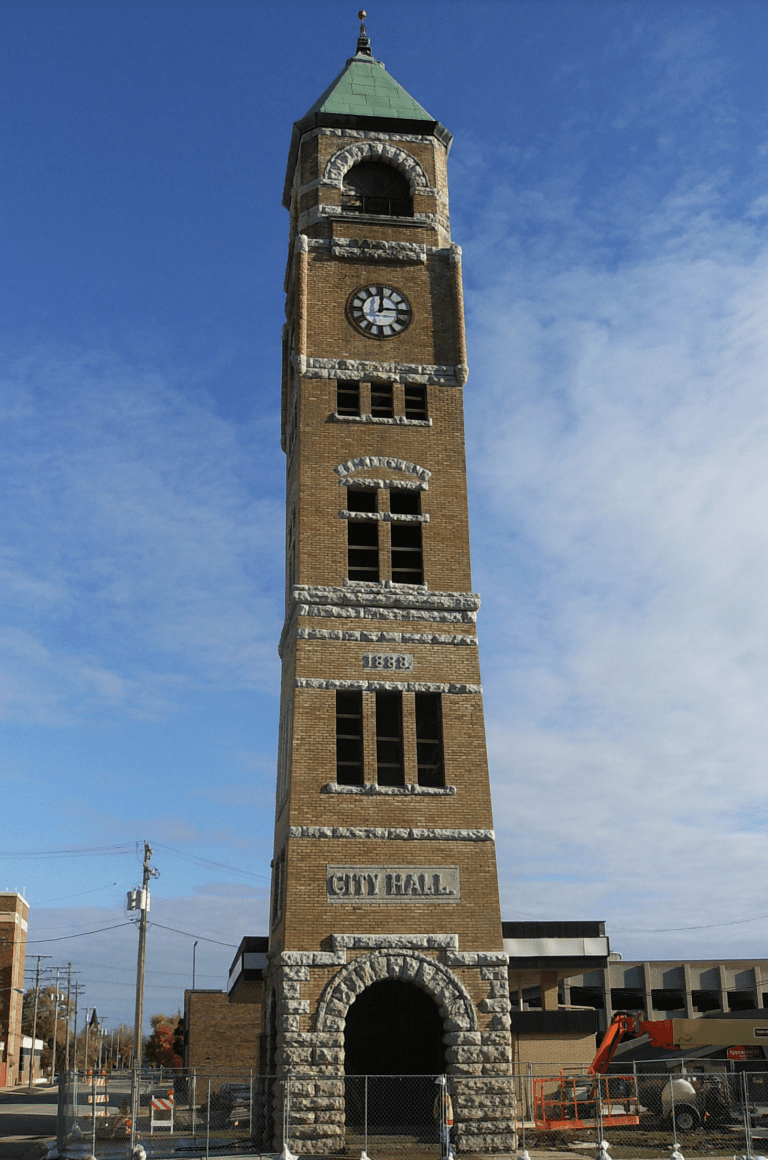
386, 953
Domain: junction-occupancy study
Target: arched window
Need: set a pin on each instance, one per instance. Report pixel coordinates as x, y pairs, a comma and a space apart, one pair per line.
377, 188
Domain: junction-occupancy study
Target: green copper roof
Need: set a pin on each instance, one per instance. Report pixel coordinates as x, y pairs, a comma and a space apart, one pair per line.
364, 88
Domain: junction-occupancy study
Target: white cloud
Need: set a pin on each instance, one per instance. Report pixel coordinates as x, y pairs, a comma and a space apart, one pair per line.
139, 547
621, 465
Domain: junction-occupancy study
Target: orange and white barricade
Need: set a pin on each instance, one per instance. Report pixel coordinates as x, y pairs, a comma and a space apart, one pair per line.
161, 1112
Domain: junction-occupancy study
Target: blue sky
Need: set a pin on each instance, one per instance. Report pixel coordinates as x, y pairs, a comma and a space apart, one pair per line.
608, 182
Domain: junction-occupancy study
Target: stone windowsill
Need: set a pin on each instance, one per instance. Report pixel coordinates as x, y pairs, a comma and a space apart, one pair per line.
396, 421
371, 789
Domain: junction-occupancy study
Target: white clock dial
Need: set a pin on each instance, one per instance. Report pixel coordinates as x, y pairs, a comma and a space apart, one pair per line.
379, 311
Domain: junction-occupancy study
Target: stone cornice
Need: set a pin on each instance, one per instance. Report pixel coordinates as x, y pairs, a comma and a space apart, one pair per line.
389, 834
346, 368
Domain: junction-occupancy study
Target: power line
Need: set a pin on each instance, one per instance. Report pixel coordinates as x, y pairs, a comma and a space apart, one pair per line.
209, 862
81, 852
704, 926
202, 937
83, 934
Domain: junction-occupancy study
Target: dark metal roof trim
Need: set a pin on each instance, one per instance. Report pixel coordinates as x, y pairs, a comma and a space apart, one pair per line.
576, 963
553, 929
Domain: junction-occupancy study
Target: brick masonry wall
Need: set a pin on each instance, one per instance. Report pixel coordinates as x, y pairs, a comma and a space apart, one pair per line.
14, 912
222, 1037
551, 1050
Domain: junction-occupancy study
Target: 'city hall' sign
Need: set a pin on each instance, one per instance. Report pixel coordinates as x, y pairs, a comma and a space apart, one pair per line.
393, 884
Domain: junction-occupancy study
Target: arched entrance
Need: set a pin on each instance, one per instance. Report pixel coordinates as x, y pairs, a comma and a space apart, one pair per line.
393, 1037
394, 1028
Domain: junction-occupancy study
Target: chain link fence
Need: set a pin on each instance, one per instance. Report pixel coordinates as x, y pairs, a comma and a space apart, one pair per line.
641, 1116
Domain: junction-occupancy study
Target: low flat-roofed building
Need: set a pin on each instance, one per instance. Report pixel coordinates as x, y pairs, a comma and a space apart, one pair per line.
543, 957
668, 988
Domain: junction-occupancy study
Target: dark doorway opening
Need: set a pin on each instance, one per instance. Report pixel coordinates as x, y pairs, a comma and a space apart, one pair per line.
393, 1030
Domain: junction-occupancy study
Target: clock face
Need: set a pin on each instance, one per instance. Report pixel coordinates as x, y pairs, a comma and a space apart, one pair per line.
379, 311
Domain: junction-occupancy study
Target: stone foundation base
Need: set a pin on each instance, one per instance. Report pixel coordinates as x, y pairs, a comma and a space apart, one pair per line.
310, 1017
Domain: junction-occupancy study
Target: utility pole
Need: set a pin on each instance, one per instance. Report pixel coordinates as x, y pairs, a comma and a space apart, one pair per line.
56, 1001
34, 1022
69, 997
142, 905
87, 1025
78, 988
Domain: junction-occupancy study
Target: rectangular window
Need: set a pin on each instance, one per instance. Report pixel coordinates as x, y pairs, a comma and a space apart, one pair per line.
363, 551
382, 406
389, 739
361, 501
405, 503
415, 401
407, 561
347, 398
429, 739
349, 738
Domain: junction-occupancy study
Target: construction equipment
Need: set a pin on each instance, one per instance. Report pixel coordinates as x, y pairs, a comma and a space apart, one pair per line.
585, 1101
699, 1099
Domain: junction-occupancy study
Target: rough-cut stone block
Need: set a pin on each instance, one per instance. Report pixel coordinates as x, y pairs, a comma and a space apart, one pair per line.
320, 1131
496, 1143
302, 1087
326, 1117
319, 1103
464, 1039
494, 1005
496, 1039
299, 1117
333, 1088
465, 1055
296, 973
293, 1007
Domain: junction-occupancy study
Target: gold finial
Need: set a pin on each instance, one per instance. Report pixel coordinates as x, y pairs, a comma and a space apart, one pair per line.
363, 42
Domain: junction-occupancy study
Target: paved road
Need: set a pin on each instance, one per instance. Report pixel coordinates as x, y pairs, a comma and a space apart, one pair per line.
26, 1117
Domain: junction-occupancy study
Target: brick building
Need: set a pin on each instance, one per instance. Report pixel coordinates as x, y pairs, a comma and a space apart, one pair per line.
14, 912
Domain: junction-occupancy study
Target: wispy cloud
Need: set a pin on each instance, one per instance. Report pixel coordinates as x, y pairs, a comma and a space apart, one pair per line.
139, 549
621, 480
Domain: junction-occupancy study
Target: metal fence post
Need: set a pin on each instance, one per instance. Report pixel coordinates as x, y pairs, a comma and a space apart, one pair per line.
208, 1123
93, 1112
250, 1105
745, 1109
366, 1116
286, 1112
134, 1106
194, 1100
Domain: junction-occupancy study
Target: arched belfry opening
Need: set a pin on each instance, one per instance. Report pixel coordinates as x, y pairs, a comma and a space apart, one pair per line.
394, 1028
375, 187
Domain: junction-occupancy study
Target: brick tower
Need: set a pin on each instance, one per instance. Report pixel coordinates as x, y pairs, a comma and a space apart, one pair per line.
386, 952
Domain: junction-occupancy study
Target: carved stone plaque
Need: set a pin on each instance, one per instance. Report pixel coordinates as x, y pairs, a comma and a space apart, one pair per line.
393, 884
388, 662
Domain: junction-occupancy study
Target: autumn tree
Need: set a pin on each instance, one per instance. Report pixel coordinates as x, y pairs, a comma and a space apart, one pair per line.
51, 1013
159, 1048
